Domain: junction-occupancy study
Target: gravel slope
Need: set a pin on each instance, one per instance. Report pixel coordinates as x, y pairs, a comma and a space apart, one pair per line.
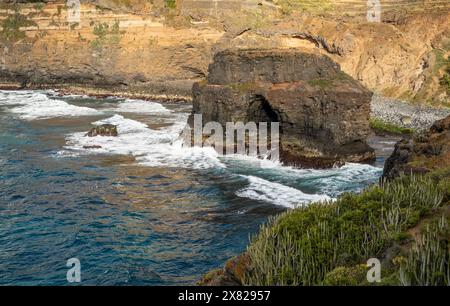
405, 114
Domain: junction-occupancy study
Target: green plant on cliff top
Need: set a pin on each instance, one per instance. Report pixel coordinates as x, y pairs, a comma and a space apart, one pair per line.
322, 83
126, 3
303, 246
428, 263
11, 26
382, 126
346, 276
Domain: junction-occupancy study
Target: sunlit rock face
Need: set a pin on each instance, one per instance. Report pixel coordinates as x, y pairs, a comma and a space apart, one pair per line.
323, 112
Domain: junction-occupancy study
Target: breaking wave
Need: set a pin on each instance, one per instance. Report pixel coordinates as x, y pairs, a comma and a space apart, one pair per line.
35, 105
278, 194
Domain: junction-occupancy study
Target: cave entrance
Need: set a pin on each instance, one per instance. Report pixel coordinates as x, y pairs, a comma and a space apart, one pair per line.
260, 110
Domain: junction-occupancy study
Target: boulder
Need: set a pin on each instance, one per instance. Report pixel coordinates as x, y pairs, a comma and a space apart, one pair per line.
103, 130
323, 113
421, 154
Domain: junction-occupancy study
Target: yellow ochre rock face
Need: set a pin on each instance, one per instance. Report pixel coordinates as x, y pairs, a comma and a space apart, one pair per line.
165, 46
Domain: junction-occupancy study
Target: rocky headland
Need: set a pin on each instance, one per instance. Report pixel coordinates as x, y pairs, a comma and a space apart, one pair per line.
322, 112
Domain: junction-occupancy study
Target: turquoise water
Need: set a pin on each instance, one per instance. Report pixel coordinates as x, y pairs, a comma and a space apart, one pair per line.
140, 210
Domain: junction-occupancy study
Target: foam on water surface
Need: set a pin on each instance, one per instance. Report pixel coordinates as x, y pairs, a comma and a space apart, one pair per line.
150, 147
268, 180
30, 105
278, 194
140, 106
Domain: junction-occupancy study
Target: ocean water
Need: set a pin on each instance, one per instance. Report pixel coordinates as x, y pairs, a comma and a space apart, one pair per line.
142, 209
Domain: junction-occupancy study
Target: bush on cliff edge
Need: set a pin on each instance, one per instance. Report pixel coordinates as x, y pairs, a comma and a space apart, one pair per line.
326, 243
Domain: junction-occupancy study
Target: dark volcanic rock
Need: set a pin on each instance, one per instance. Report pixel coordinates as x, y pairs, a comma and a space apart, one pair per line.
323, 113
103, 130
274, 66
421, 154
402, 155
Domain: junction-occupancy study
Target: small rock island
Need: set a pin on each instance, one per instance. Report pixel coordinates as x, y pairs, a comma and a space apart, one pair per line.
323, 113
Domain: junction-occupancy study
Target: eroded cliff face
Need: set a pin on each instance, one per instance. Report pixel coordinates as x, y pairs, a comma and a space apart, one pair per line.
165, 46
421, 154
322, 112
107, 49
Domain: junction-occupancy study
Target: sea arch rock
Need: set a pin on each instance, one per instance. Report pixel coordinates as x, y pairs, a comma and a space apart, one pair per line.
323, 113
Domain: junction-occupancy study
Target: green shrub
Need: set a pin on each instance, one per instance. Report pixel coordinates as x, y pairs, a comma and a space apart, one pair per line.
445, 81
428, 263
312, 6
302, 246
172, 4
346, 276
12, 24
322, 83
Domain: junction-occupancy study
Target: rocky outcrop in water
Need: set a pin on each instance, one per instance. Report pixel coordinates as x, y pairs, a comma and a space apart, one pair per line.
422, 154
323, 113
103, 130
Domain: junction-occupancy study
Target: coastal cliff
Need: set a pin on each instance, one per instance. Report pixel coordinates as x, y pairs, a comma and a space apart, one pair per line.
163, 47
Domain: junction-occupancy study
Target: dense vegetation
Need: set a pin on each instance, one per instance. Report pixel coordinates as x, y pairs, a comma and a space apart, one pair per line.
329, 243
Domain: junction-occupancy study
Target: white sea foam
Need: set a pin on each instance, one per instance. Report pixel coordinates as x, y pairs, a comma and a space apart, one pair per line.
163, 148
140, 106
334, 181
56, 94
278, 194
37, 105
156, 148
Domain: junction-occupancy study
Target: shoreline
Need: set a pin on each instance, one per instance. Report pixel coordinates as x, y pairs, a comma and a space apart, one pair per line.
102, 92
403, 114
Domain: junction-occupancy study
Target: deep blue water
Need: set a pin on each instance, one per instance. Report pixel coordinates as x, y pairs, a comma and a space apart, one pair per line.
155, 216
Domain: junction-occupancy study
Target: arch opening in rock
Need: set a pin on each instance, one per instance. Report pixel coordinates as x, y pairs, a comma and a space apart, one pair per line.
260, 110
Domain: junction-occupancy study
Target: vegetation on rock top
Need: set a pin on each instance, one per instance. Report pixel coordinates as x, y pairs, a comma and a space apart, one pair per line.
385, 127
327, 243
